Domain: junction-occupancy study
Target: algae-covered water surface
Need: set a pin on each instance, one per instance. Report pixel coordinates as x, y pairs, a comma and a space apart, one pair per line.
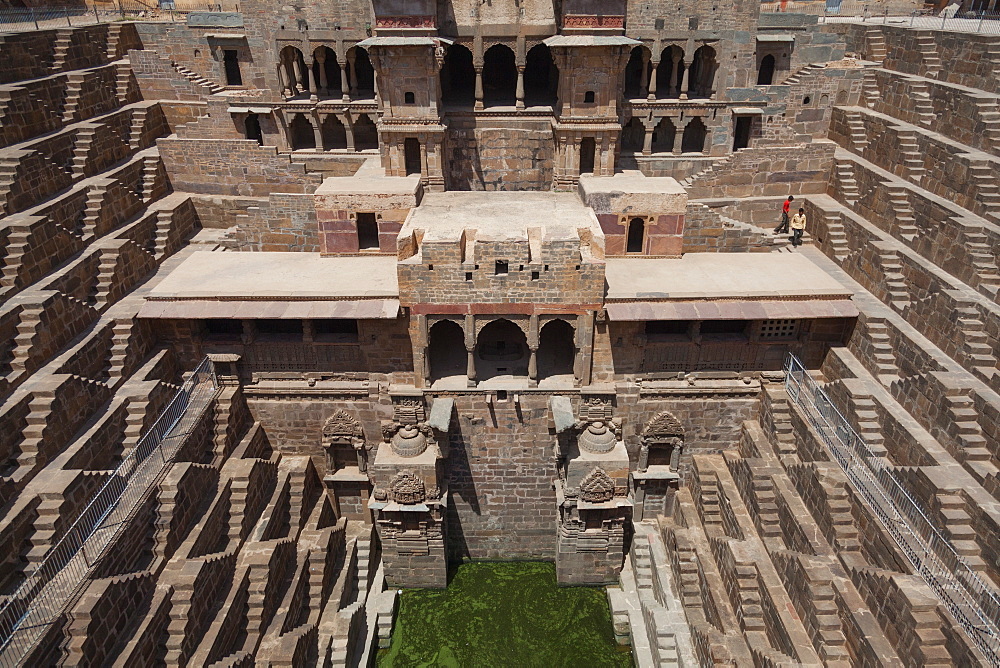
504, 615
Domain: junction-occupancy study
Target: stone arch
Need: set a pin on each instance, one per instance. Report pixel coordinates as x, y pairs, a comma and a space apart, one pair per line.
636, 78
694, 137
670, 72
633, 136
765, 73
702, 76
334, 133
301, 134
446, 350
541, 77
326, 70
458, 76
499, 76
597, 486
361, 74
365, 134
556, 349
292, 66
501, 349
664, 135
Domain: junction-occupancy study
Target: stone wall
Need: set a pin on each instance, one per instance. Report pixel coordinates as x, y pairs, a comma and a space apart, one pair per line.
494, 154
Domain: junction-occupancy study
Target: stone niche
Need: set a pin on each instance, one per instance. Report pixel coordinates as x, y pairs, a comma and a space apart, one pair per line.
592, 492
657, 477
410, 499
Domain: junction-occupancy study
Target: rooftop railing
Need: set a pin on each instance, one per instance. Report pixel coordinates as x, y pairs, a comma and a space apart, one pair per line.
971, 601
49, 588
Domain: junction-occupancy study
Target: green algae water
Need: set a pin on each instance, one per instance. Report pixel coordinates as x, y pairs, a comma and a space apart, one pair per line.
504, 615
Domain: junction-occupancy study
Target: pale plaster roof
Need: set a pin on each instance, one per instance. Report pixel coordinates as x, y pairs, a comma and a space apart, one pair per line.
589, 40
276, 285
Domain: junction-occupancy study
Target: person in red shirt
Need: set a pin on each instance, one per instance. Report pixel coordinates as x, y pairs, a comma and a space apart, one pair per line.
782, 227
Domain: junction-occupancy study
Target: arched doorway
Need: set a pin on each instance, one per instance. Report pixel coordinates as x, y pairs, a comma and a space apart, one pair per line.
363, 81
334, 133
635, 75
458, 77
301, 131
633, 136
326, 71
670, 72
499, 76
501, 350
556, 349
693, 140
446, 352
702, 75
636, 237
365, 134
541, 77
664, 135
765, 75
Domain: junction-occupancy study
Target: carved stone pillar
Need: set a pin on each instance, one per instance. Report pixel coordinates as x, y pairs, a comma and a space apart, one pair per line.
520, 88
313, 89
321, 60
644, 81
684, 81
286, 86
673, 75
479, 88
300, 84
654, 90
317, 131
679, 138
344, 86
349, 131
354, 75
647, 141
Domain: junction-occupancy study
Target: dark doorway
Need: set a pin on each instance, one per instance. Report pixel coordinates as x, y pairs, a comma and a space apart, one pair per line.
364, 75
702, 76
635, 74
458, 77
411, 155
367, 231
499, 76
501, 350
334, 133
633, 136
765, 75
541, 77
636, 239
587, 149
664, 135
365, 134
694, 137
741, 134
302, 133
446, 354
556, 350
231, 60
252, 127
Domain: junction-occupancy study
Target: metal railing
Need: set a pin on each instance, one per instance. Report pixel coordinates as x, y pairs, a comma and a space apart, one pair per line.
972, 602
47, 589
23, 19
980, 21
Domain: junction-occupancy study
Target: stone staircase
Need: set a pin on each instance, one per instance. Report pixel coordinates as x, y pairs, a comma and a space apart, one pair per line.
965, 428
64, 39
928, 54
984, 175
882, 355
892, 269
913, 161
74, 84
904, 219
976, 344
802, 74
875, 48
984, 261
848, 185
870, 93
921, 98
856, 127
197, 79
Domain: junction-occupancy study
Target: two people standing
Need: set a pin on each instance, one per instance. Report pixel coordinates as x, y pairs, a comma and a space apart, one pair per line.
797, 222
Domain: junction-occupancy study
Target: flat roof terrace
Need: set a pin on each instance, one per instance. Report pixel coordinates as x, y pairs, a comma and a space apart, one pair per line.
276, 285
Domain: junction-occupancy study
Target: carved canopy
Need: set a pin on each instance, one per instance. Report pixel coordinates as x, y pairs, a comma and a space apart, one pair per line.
341, 426
662, 427
597, 487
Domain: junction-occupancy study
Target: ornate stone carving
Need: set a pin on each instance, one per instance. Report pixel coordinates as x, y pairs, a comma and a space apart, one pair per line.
409, 441
597, 438
597, 487
341, 425
406, 487
408, 411
662, 427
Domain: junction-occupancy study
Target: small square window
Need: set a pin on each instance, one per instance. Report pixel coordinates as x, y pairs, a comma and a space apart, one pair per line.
588, 97
409, 98
535, 275
502, 268
468, 275
430, 267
